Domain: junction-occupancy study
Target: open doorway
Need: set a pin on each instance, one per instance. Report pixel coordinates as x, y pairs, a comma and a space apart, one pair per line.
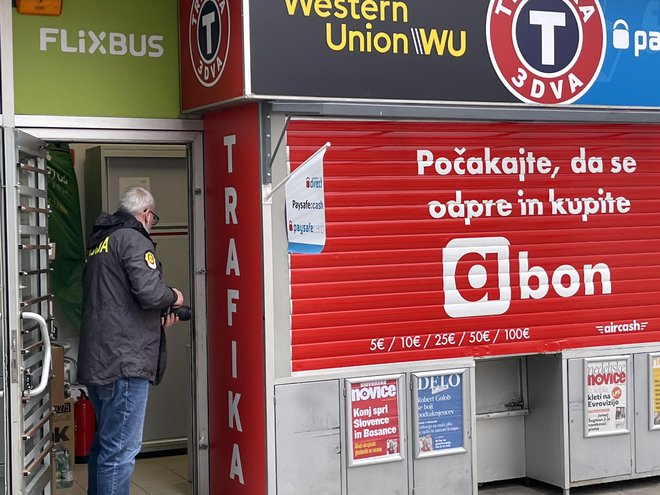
103, 171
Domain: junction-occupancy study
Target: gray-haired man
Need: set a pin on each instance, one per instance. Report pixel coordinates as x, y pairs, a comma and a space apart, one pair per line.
123, 295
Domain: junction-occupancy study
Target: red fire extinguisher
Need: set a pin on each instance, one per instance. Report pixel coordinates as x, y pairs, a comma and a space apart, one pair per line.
85, 423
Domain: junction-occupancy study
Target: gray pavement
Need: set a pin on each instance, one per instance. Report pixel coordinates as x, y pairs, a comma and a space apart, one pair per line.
647, 486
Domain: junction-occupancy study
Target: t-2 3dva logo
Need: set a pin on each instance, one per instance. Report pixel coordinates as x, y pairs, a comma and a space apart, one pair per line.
477, 277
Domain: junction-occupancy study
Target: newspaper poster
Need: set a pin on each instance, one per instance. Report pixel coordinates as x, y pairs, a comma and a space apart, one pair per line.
375, 432
605, 396
654, 366
439, 424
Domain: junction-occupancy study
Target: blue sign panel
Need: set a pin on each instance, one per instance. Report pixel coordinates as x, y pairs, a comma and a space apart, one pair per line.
439, 413
631, 68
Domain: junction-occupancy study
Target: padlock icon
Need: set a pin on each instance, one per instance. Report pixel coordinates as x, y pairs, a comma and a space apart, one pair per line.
620, 35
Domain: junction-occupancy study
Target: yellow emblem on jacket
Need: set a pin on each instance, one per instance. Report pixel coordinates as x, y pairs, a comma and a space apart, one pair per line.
151, 260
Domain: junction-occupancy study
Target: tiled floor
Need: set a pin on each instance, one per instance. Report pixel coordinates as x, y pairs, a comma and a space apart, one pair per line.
168, 476
648, 486
152, 476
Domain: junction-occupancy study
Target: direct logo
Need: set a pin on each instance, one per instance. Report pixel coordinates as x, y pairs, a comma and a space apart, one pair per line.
151, 260
208, 39
546, 51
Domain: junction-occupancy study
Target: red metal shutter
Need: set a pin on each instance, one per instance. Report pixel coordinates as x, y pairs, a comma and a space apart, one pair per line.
376, 294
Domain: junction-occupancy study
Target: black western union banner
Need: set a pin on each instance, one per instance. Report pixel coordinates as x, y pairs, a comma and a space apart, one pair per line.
375, 49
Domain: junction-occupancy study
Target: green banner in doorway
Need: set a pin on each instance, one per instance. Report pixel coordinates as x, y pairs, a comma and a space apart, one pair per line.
65, 231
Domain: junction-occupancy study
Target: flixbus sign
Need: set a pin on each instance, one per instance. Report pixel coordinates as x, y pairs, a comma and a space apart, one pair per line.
99, 58
103, 43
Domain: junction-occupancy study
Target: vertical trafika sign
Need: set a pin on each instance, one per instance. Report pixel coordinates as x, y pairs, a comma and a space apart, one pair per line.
235, 292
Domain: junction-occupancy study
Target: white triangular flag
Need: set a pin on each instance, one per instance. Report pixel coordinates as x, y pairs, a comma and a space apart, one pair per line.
305, 206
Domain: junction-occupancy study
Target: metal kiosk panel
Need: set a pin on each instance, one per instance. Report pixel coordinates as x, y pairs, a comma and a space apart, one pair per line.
600, 439
501, 408
647, 412
545, 437
308, 440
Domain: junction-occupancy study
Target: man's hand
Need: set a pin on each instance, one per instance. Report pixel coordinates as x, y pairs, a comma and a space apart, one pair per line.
168, 320
179, 298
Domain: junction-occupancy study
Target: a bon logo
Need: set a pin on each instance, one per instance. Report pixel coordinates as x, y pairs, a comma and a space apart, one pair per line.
477, 281
476, 276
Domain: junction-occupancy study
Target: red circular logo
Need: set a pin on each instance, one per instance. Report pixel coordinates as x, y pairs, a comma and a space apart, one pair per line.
546, 51
208, 39
616, 393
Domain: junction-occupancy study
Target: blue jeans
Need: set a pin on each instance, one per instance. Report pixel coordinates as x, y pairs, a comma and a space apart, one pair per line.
120, 407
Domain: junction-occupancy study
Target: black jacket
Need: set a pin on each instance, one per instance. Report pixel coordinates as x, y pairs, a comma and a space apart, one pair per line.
123, 294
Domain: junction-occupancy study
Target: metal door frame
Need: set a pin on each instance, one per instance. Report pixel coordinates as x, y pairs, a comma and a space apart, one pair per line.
149, 131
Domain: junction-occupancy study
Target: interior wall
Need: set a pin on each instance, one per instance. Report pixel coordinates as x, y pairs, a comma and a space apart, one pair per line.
79, 167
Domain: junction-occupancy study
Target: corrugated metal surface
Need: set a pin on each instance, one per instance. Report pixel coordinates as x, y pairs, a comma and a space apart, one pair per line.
377, 293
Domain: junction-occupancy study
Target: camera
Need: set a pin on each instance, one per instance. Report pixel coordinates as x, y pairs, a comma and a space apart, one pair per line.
184, 312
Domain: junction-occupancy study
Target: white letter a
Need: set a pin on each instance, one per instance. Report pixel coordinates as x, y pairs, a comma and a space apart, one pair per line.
236, 467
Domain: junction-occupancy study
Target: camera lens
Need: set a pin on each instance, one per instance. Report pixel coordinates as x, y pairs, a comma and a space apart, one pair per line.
184, 313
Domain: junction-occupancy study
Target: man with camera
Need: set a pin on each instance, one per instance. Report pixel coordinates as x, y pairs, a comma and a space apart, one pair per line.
126, 307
